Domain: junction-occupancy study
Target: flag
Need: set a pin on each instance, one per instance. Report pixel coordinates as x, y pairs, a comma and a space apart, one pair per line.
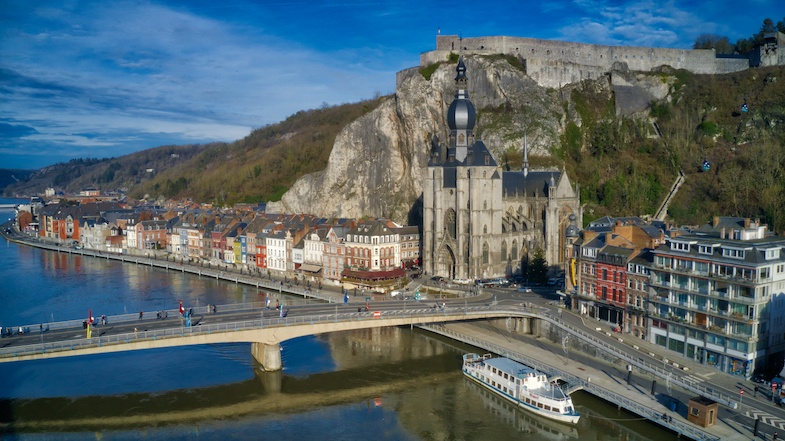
89, 331
182, 310
90, 316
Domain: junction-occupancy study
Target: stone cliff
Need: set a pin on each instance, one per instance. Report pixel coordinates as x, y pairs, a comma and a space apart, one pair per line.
377, 163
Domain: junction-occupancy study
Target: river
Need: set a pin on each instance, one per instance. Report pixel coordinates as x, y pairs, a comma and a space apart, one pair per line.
385, 384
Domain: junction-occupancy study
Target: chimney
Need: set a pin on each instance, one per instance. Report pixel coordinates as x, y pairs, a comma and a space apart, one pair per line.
746, 222
722, 233
715, 221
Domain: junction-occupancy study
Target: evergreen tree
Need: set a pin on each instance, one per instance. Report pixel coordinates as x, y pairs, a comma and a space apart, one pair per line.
538, 269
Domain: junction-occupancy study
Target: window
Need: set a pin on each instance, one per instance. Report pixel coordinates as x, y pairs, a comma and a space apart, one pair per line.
485, 253
733, 253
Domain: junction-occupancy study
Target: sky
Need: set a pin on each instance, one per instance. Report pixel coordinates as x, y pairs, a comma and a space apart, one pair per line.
98, 79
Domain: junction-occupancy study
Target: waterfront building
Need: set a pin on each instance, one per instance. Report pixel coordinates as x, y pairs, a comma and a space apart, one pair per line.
603, 253
334, 253
60, 222
94, 233
313, 251
410, 245
261, 250
638, 273
276, 250
717, 296
150, 235
481, 221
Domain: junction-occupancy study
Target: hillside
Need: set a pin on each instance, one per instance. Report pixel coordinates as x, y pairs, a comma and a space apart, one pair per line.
368, 158
257, 168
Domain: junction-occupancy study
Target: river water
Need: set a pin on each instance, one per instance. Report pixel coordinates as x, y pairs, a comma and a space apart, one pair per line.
385, 384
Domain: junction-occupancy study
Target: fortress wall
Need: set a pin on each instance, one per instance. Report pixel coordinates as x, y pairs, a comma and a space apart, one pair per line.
589, 56
728, 65
559, 73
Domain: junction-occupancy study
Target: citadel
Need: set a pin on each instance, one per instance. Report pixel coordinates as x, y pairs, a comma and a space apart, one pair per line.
553, 63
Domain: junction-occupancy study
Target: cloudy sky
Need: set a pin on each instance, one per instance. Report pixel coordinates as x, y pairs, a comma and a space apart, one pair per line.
97, 79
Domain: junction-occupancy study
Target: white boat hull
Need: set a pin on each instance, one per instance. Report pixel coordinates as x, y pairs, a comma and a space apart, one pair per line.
519, 397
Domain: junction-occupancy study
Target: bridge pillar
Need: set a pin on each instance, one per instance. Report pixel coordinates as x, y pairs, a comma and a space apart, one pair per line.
526, 325
268, 355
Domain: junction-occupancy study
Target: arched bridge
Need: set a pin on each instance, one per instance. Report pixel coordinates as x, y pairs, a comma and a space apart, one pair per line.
264, 333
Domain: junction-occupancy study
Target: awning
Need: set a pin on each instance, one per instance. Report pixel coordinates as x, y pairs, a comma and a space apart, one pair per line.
310, 268
396, 273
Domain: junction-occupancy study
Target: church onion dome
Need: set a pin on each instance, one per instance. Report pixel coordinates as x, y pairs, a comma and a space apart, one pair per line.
461, 115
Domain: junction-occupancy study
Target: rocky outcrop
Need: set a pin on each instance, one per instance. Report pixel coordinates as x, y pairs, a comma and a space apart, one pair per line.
377, 163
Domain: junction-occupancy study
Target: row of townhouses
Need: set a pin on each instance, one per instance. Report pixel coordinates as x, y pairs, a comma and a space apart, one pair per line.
368, 253
714, 294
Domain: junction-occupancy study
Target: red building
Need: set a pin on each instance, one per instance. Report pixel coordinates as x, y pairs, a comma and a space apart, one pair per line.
611, 280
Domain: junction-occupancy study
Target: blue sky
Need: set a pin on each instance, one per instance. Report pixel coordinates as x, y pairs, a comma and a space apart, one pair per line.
99, 79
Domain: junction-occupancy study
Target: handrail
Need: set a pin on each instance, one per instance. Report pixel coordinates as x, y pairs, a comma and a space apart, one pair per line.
98, 340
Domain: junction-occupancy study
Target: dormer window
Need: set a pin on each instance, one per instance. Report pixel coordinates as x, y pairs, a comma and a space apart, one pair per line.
733, 253
706, 249
680, 246
773, 253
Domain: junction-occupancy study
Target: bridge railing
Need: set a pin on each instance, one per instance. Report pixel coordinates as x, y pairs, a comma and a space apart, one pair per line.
98, 339
638, 408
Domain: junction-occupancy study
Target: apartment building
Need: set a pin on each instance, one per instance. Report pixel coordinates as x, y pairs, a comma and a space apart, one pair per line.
716, 296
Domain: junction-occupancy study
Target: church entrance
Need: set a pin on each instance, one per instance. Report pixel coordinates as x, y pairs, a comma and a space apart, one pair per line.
446, 263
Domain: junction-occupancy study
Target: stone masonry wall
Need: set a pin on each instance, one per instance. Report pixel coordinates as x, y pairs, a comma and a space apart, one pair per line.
554, 63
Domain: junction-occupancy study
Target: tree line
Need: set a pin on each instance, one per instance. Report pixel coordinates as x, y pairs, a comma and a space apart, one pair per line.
722, 45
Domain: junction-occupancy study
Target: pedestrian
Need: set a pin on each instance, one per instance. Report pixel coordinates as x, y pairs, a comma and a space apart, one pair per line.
136, 333
140, 314
213, 309
775, 436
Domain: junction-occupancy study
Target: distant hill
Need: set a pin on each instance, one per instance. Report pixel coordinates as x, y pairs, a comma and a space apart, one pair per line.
109, 174
259, 167
8, 177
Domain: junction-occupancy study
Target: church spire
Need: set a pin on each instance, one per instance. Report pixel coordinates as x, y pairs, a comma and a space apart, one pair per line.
461, 116
525, 164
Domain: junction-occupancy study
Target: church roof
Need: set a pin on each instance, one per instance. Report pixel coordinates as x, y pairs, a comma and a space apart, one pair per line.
534, 183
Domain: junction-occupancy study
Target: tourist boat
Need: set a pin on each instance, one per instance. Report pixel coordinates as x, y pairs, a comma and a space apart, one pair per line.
521, 385
530, 425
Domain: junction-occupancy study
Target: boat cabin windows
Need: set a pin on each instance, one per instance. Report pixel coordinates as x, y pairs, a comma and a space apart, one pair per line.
548, 408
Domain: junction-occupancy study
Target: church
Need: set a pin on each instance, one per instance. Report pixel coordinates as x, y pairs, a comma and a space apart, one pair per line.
480, 221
